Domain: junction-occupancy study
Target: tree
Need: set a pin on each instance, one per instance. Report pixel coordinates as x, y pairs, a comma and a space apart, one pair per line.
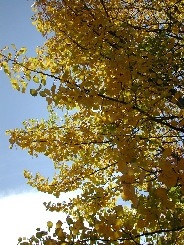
117, 70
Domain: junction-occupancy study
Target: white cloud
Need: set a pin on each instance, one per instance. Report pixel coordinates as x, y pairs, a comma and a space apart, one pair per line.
21, 214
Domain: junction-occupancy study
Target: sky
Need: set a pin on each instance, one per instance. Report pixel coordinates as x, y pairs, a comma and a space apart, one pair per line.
21, 207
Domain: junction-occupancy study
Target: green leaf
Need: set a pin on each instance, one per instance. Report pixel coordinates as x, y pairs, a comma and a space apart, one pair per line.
40, 234
33, 92
43, 81
4, 65
36, 79
59, 224
7, 71
23, 85
42, 94
28, 75
20, 239
49, 224
22, 50
69, 220
13, 46
15, 84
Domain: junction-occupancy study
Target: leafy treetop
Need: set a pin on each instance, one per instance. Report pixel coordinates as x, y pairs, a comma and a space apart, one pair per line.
117, 69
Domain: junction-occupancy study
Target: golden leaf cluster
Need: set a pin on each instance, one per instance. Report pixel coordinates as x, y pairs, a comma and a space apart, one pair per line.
117, 71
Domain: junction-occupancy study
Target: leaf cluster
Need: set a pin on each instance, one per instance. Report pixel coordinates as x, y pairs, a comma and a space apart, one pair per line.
117, 72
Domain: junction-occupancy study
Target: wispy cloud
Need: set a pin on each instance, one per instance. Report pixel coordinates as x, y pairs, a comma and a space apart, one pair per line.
21, 214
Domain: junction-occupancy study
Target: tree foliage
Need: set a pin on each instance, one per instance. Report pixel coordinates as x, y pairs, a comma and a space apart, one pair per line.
116, 68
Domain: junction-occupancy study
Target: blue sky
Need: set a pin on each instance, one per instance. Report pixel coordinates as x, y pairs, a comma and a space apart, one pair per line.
20, 206
15, 107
